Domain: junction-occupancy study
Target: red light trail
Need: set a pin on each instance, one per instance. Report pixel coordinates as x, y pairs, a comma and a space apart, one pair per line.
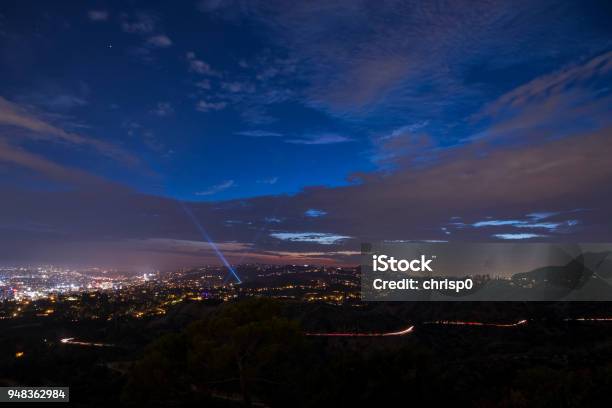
71, 340
481, 324
404, 332
410, 329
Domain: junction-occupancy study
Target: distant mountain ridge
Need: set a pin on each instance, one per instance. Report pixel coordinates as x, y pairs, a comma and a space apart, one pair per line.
572, 275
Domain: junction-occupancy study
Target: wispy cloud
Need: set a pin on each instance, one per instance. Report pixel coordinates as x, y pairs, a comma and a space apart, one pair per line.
271, 180
198, 66
57, 101
521, 236
321, 238
567, 102
314, 213
98, 15
405, 130
16, 116
58, 172
160, 41
163, 109
140, 23
552, 86
207, 106
146, 25
542, 215
256, 115
553, 226
406, 59
57, 97
203, 84
320, 139
217, 188
237, 87
259, 133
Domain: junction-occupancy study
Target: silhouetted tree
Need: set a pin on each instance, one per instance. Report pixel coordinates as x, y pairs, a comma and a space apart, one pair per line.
246, 346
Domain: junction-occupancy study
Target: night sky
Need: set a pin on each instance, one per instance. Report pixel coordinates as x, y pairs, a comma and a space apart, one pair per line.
292, 131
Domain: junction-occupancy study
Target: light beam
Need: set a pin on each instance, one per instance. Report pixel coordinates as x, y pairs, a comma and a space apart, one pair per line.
210, 241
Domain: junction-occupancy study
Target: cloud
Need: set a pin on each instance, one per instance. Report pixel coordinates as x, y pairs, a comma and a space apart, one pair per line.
65, 102
146, 25
256, 114
238, 87
321, 238
562, 103
140, 23
569, 102
259, 133
406, 59
406, 130
207, 106
15, 116
189, 252
367, 82
203, 84
497, 223
217, 188
412, 202
55, 100
160, 41
98, 15
314, 213
406, 204
163, 109
199, 66
271, 180
542, 215
208, 6
57, 172
550, 87
346, 69
55, 97
522, 236
552, 226
189, 247
320, 139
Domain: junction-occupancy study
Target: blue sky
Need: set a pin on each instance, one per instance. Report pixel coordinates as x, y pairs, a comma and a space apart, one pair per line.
294, 105
182, 104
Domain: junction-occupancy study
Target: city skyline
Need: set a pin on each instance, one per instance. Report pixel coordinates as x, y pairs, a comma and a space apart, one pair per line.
145, 135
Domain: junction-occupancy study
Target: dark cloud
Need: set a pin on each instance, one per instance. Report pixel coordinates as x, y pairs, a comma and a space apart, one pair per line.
160, 41
320, 139
139, 23
259, 133
98, 15
359, 57
21, 158
408, 204
163, 109
31, 126
198, 66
